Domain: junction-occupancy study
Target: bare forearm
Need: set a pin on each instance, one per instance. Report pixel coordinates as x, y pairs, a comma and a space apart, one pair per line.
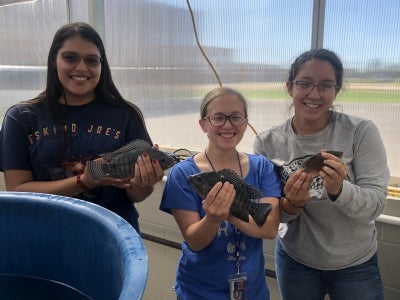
270, 228
199, 235
65, 187
138, 194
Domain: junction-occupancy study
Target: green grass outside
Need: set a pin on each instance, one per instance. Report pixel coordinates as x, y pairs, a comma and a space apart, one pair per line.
358, 96
363, 96
353, 92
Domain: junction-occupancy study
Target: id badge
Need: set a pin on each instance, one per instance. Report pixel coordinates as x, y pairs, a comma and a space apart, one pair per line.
237, 286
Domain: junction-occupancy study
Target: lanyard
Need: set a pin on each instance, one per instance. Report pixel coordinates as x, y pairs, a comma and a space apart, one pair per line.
237, 242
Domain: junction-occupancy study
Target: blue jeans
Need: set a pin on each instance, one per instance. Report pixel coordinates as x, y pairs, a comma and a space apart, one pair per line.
297, 281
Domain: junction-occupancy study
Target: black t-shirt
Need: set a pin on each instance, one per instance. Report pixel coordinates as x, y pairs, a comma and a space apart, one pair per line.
31, 140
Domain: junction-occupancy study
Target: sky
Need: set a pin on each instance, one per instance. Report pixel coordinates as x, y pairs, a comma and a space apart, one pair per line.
274, 32
270, 31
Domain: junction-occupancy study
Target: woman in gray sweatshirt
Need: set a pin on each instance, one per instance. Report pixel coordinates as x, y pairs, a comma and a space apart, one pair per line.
328, 239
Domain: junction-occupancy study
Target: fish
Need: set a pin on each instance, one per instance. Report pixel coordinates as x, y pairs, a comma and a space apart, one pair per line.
243, 204
121, 162
314, 163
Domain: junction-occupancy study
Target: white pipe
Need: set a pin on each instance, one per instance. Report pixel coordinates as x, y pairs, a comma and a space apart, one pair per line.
382, 218
389, 219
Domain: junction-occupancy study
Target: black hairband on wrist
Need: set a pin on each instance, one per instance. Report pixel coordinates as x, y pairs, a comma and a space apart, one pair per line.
294, 205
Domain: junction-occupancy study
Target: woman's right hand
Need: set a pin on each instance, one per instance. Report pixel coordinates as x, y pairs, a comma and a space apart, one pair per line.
218, 201
91, 183
199, 232
297, 188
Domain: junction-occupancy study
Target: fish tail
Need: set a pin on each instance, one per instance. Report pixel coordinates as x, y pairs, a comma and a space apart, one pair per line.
95, 169
259, 212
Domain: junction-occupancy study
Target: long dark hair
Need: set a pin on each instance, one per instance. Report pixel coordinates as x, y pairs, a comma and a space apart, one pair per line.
321, 54
105, 90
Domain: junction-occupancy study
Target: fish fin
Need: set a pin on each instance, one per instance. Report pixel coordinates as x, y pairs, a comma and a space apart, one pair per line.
241, 214
259, 212
237, 181
231, 175
133, 145
95, 169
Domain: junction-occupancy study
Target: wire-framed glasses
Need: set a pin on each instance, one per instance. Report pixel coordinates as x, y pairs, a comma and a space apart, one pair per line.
325, 89
73, 58
219, 120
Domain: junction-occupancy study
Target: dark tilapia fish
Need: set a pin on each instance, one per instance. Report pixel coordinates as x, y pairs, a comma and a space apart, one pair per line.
315, 163
121, 162
242, 205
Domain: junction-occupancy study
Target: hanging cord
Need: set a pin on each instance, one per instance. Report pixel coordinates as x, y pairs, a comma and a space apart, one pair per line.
205, 56
252, 128
198, 44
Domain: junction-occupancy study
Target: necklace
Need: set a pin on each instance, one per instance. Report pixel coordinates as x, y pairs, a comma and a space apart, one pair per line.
238, 160
236, 230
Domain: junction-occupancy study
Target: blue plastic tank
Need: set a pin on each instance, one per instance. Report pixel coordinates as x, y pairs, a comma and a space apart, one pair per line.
52, 245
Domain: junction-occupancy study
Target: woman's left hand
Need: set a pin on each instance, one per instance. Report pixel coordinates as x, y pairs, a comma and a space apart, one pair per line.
147, 173
333, 172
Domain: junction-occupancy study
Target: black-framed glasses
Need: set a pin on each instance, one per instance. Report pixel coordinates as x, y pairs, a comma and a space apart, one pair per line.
219, 120
325, 89
73, 58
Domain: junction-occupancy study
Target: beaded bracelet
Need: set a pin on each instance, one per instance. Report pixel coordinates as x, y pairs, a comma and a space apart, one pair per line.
81, 184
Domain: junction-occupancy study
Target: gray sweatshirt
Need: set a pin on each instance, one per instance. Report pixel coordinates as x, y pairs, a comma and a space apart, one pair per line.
331, 235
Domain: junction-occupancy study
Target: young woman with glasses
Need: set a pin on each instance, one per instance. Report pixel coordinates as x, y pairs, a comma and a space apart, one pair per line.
328, 242
222, 256
45, 142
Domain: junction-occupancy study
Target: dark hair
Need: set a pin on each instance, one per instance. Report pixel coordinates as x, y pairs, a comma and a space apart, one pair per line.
105, 90
321, 54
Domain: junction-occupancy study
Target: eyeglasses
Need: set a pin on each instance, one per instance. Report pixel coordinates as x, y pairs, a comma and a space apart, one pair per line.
219, 120
73, 58
325, 89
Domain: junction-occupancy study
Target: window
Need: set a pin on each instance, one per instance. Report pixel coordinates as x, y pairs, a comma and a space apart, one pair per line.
157, 64
364, 34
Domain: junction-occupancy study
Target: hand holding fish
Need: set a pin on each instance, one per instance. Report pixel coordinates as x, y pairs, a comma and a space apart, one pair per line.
218, 201
315, 163
90, 182
121, 163
297, 189
136, 167
147, 171
242, 205
333, 173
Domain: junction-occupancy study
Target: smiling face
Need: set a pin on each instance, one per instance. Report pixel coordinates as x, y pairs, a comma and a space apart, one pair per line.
311, 106
79, 80
225, 136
